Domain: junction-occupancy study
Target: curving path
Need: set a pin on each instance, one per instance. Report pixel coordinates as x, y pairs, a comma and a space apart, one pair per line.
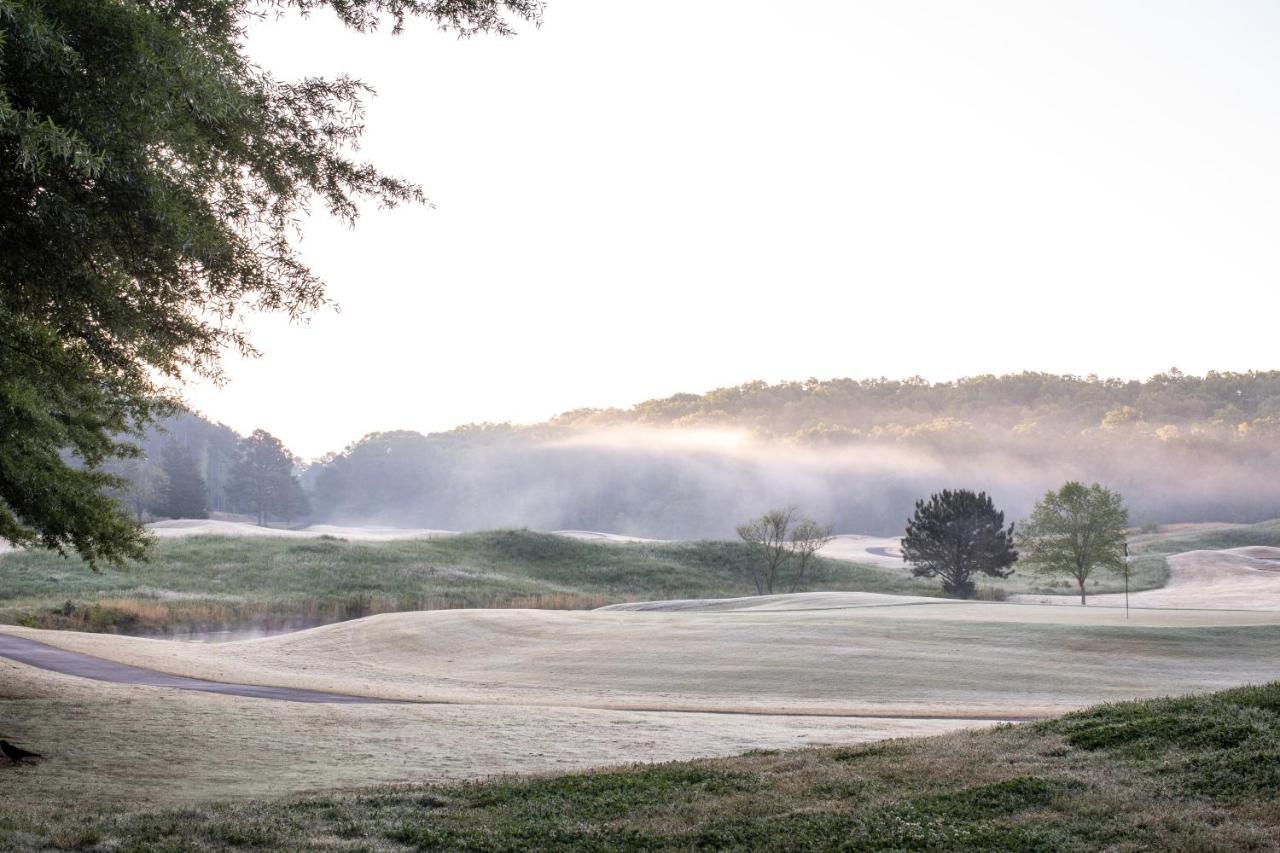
48, 657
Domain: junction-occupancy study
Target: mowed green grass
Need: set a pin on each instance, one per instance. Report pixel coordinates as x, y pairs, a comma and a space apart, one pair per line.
1195, 773
211, 582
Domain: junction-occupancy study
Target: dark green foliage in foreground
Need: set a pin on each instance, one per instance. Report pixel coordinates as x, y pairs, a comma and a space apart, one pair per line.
1225, 747
214, 582
151, 178
1193, 773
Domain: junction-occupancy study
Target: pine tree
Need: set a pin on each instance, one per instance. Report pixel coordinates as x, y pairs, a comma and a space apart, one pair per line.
184, 494
956, 535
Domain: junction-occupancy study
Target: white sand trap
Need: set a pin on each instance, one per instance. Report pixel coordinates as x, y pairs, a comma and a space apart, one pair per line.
1234, 579
176, 528
902, 657
868, 550
597, 536
181, 527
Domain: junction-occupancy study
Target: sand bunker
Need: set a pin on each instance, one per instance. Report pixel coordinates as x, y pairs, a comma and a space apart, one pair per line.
597, 536
1234, 579
217, 527
868, 550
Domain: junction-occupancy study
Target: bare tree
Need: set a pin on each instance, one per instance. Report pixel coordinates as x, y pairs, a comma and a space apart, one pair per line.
807, 538
768, 535
783, 541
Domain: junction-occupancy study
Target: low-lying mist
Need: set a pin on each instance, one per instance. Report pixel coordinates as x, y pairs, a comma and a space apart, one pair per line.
856, 454
673, 483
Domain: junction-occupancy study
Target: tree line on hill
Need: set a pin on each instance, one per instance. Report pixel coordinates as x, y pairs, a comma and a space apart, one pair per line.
1170, 407
856, 453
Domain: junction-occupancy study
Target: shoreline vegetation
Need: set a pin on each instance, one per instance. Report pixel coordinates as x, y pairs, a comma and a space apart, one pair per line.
206, 585
1189, 773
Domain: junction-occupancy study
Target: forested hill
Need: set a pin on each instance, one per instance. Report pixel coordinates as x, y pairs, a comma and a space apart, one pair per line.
857, 453
1167, 407
854, 453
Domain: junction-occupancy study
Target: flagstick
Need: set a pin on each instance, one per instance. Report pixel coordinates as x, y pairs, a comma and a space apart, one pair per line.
1126, 580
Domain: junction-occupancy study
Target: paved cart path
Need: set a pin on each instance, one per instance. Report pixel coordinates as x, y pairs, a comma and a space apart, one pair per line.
49, 657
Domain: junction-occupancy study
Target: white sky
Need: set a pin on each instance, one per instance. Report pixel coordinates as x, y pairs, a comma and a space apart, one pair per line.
640, 199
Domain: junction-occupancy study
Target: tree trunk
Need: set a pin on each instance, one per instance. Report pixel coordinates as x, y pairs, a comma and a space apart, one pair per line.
1082, 601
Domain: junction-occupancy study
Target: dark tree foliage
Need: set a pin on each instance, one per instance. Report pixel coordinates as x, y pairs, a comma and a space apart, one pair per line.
183, 494
150, 180
216, 445
956, 535
262, 480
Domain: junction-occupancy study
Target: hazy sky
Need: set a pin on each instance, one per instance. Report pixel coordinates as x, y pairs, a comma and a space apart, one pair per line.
640, 199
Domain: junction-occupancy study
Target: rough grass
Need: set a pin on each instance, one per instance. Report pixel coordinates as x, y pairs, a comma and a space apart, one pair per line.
1146, 571
215, 583
211, 583
1194, 773
1209, 537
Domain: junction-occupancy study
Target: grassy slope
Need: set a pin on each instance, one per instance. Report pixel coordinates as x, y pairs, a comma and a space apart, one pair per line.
1195, 773
1209, 536
217, 581
1150, 568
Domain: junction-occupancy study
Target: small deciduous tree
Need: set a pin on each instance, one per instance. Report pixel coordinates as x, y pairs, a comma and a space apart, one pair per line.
767, 536
784, 546
262, 481
807, 538
1075, 530
956, 535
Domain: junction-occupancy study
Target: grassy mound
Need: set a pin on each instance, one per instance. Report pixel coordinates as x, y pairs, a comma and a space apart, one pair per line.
211, 582
1194, 773
1209, 536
